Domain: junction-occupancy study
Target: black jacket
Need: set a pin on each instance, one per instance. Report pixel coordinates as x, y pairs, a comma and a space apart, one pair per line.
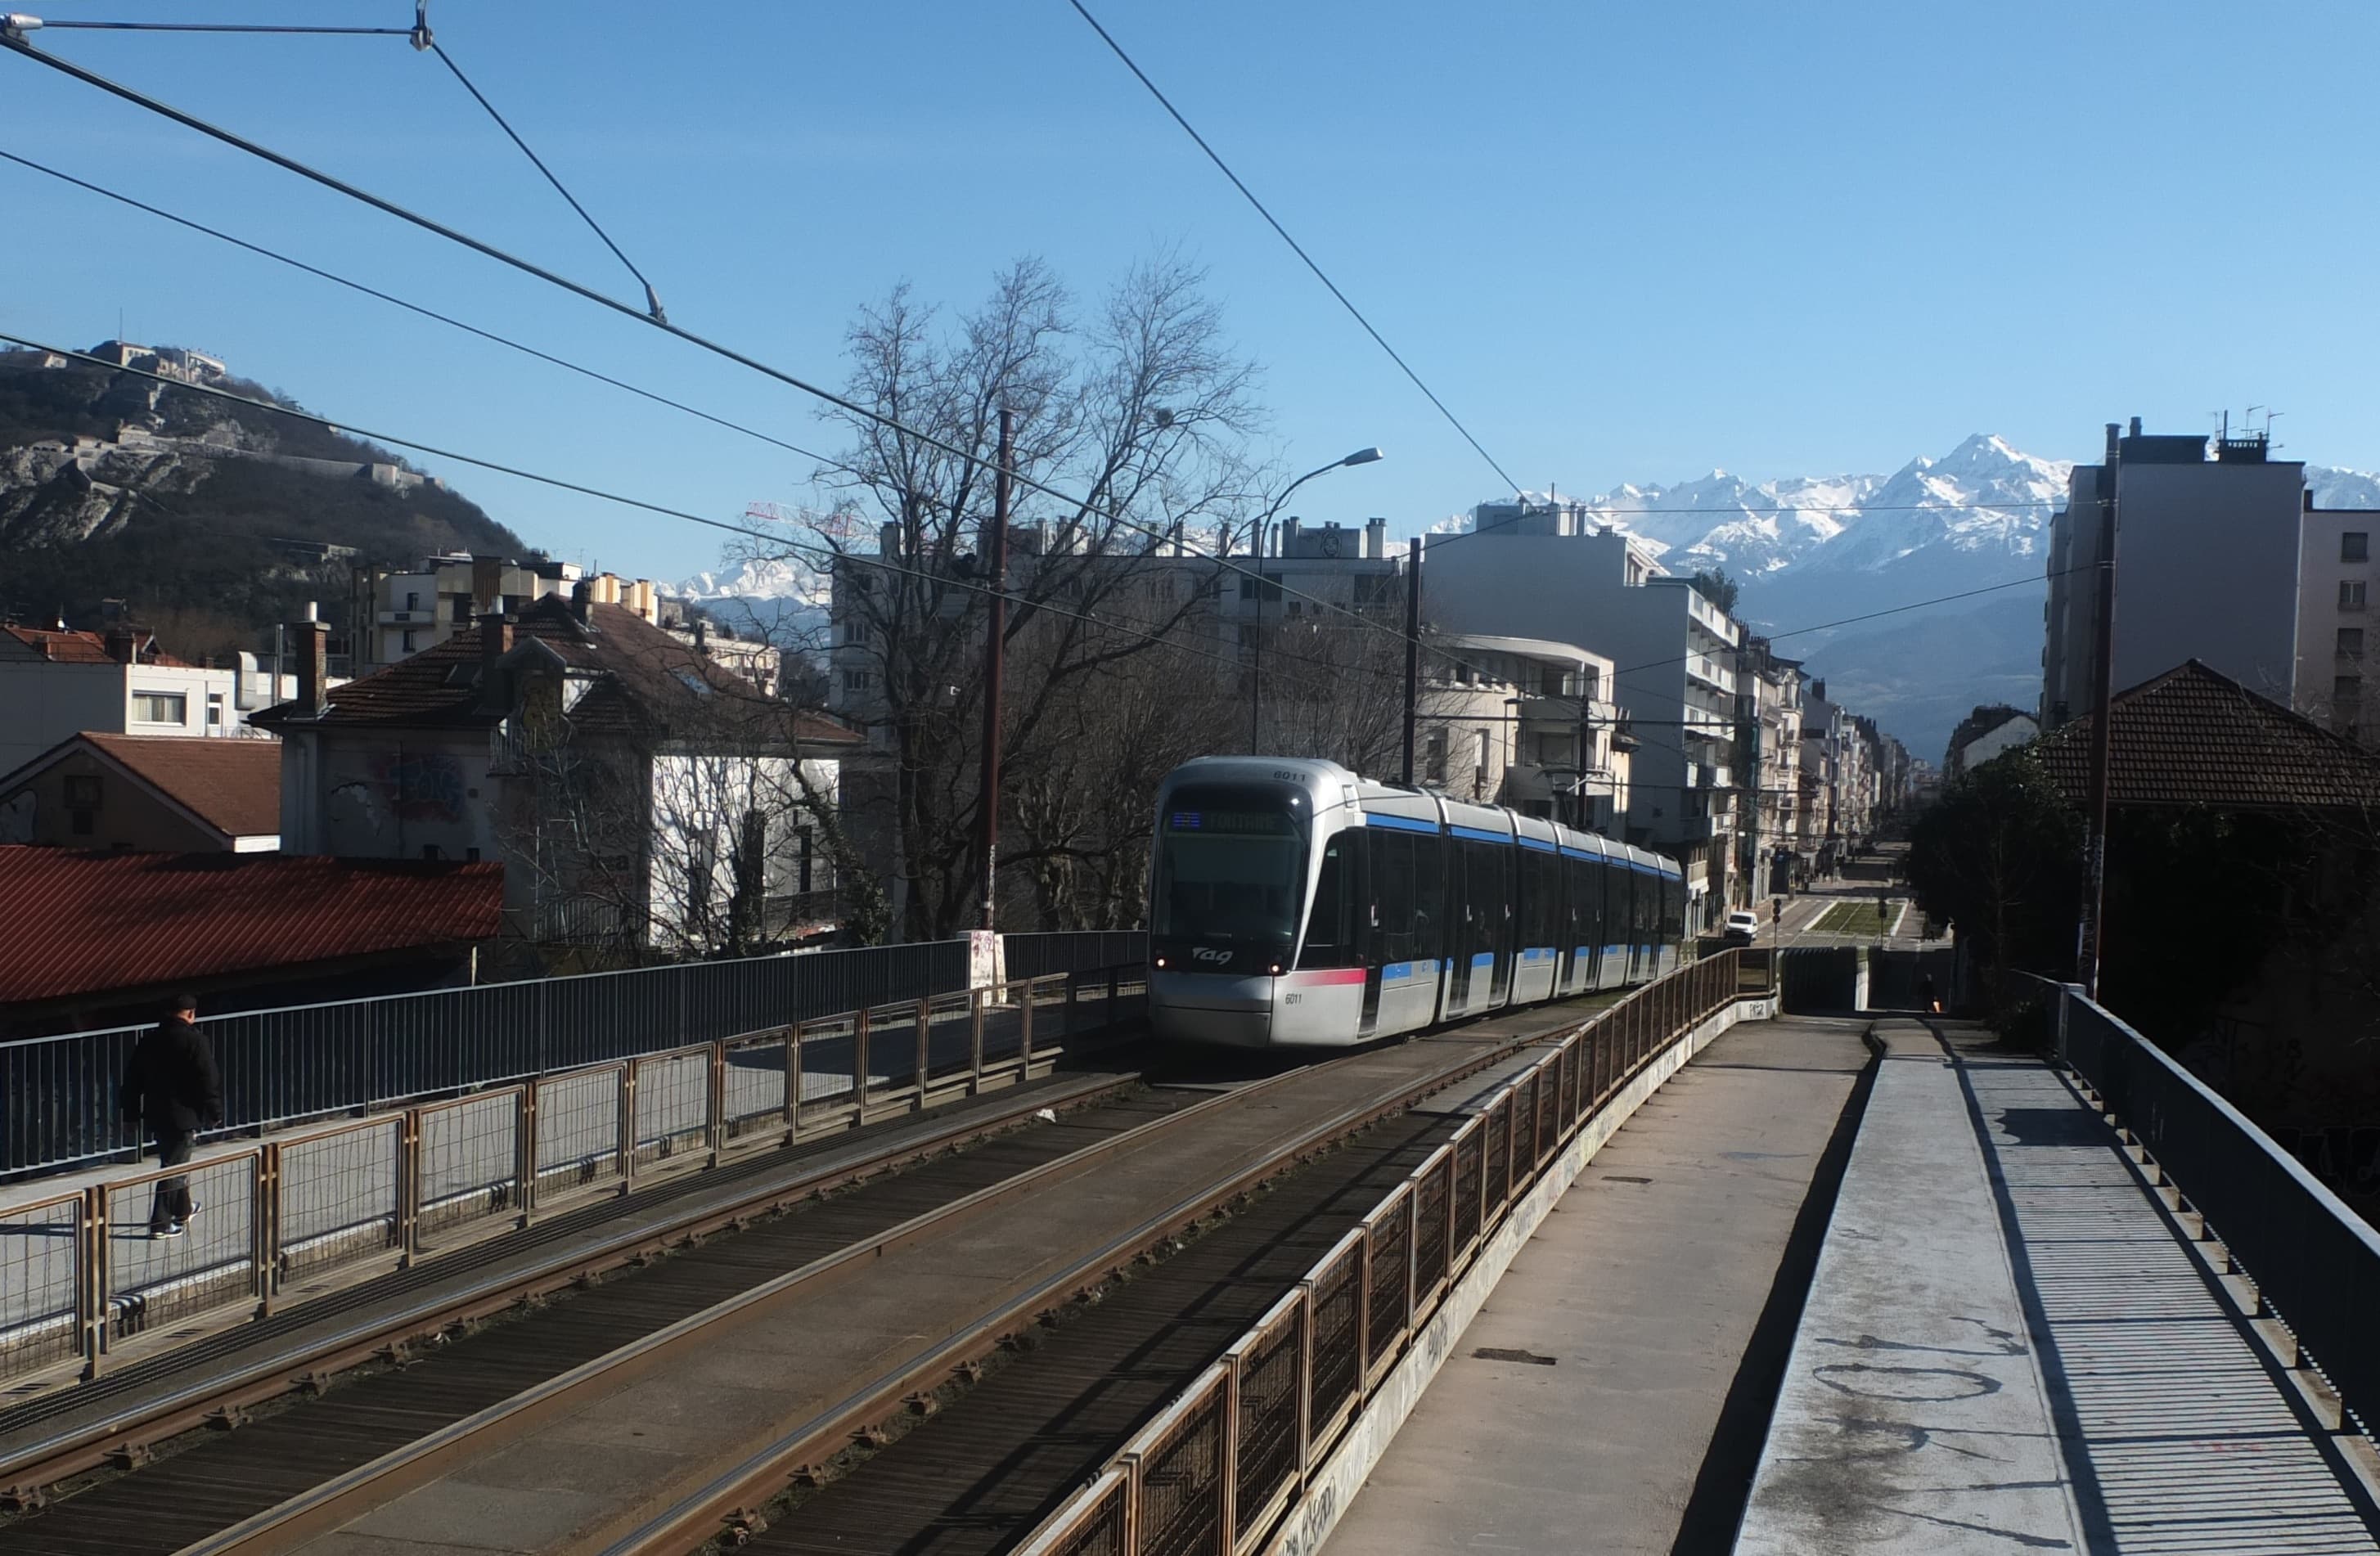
172, 1081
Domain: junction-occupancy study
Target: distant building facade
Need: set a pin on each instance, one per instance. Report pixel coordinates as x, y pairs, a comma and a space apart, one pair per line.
56, 683
151, 793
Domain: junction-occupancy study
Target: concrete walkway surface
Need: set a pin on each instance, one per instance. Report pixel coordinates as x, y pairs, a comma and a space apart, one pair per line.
2008, 1348
1579, 1410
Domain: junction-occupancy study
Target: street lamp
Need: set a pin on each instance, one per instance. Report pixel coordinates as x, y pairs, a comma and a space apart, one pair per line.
1256, 676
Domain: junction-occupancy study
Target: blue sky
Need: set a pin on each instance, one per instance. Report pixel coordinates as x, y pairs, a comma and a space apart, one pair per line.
1624, 243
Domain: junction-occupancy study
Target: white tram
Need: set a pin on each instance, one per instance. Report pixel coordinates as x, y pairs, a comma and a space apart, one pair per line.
1293, 903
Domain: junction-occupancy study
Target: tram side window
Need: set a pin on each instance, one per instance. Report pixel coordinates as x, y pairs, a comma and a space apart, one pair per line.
1673, 928
1641, 920
1489, 896
1393, 896
1540, 898
1330, 925
1615, 903
1431, 936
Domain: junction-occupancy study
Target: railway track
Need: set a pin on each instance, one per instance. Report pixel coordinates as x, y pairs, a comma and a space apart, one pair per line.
767, 1349
128, 1415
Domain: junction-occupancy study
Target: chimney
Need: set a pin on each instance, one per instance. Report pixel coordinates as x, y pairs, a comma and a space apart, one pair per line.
311, 641
1375, 538
495, 641
2136, 426
2115, 430
487, 584
582, 596
888, 541
123, 644
701, 638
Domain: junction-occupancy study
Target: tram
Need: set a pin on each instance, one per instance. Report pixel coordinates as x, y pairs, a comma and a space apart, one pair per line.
1293, 904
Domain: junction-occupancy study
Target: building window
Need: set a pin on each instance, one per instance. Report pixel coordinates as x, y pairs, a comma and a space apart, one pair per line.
412, 600
214, 710
430, 850
2355, 546
857, 680
2351, 642
160, 708
472, 854
409, 640
2346, 689
2350, 595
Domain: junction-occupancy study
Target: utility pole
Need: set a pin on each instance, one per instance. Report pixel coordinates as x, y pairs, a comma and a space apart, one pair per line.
1256, 653
1413, 650
995, 657
2094, 856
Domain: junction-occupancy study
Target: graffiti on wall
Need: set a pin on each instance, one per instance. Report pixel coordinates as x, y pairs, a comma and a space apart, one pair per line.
425, 786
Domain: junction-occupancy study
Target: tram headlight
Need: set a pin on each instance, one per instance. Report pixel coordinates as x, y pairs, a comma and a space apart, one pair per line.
1276, 969
1160, 961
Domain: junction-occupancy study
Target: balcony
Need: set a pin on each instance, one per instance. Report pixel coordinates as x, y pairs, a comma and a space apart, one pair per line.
1710, 672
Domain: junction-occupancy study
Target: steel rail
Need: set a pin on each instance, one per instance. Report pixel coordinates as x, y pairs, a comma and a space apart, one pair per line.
349, 1495
703, 1515
126, 1433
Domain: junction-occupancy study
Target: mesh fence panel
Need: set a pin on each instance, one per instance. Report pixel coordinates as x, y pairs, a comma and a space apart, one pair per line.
1096, 1525
340, 1194
1549, 1113
673, 1103
1387, 1275
40, 1263
827, 1047
1268, 1447
1469, 1146
469, 1159
152, 1283
950, 1045
1495, 1152
578, 1126
1338, 1333
1182, 1483
1432, 1191
754, 1092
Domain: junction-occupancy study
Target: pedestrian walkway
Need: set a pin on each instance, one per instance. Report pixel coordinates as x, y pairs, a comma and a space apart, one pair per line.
2008, 1346
1600, 1400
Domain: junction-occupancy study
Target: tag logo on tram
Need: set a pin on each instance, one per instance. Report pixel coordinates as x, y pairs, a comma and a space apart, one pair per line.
1209, 954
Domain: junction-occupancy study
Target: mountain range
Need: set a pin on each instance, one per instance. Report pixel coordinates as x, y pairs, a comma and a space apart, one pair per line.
1815, 554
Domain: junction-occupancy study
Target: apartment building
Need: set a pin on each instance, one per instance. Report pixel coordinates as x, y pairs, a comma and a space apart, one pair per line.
1529, 724
55, 684
2210, 564
2335, 639
1541, 569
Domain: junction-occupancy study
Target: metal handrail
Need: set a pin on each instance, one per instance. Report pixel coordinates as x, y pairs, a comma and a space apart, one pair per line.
2314, 1262
512, 1183
1631, 1032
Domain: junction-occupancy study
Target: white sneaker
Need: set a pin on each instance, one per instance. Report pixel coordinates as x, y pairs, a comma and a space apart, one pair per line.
160, 1234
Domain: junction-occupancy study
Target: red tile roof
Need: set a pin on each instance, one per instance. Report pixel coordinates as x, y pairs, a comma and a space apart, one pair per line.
646, 681
2195, 737
88, 923
233, 786
85, 648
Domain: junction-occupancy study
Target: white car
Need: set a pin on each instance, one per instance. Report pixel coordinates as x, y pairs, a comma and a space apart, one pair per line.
1743, 926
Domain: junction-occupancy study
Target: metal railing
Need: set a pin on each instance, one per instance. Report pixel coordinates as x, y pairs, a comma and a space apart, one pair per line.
57, 1094
1217, 1469
284, 1218
1066, 950
2315, 1263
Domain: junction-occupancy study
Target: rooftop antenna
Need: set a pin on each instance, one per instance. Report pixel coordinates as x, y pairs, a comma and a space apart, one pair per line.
2268, 426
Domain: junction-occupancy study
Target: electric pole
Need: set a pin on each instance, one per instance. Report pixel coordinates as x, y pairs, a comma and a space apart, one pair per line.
995, 656
1413, 648
2094, 856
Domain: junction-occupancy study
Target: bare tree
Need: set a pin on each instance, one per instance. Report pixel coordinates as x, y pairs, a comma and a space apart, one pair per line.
1140, 408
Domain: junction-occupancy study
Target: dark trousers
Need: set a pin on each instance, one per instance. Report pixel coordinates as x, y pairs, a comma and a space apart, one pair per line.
171, 1202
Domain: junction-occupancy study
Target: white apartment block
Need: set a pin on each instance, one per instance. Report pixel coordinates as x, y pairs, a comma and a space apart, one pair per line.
2335, 634
1543, 571
55, 684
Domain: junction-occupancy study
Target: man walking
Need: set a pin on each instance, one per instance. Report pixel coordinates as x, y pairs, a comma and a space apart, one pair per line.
173, 1087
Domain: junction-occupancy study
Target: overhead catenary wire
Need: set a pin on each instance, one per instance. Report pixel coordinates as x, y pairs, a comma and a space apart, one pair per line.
531, 268
652, 299
561, 483
264, 252
1298, 248
230, 138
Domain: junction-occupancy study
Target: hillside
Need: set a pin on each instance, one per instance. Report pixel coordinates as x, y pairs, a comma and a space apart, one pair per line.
211, 520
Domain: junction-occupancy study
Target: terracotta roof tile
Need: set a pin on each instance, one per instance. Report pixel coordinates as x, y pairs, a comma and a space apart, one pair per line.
2195, 737
87, 923
85, 648
234, 785
650, 682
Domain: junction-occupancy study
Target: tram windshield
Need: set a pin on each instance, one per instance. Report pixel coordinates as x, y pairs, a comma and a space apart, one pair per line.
1231, 866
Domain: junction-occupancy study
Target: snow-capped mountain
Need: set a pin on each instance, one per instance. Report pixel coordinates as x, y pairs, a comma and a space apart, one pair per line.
1982, 496
1821, 548
758, 579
